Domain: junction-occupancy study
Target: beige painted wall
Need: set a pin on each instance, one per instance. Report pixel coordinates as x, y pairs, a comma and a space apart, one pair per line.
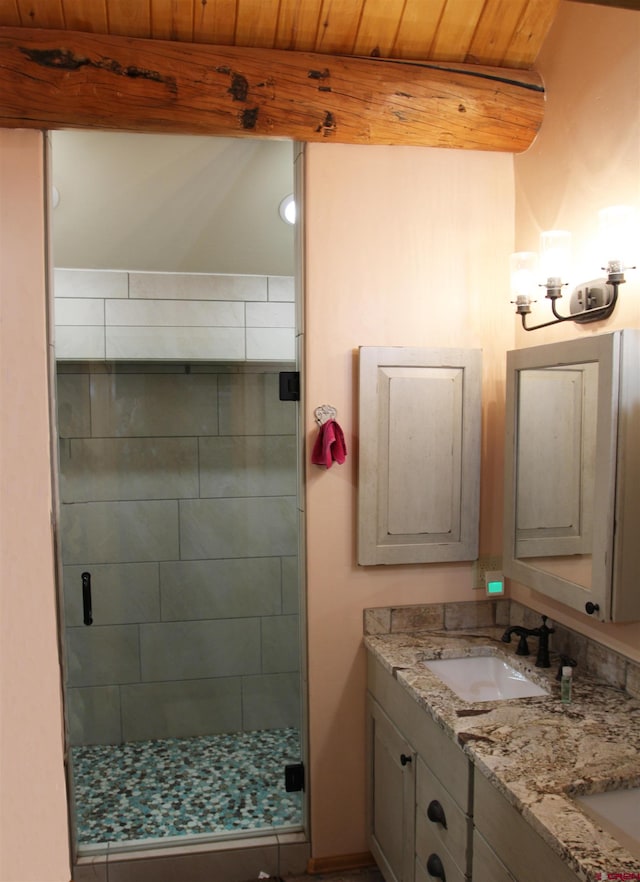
586, 157
33, 815
405, 247
400, 253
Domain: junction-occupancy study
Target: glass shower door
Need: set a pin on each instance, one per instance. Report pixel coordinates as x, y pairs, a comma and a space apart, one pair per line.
179, 542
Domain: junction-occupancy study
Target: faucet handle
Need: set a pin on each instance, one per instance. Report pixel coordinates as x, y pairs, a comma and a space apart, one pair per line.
545, 628
565, 662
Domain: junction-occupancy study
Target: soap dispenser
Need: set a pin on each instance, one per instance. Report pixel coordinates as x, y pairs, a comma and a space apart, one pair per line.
566, 682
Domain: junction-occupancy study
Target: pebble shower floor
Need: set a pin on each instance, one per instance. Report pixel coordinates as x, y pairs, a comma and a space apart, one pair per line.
215, 784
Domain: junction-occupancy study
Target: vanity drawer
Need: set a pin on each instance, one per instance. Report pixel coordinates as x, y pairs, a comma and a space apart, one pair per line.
487, 866
456, 835
523, 852
452, 872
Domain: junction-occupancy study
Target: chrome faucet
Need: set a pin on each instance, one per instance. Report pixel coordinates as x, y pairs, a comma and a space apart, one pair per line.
542, 633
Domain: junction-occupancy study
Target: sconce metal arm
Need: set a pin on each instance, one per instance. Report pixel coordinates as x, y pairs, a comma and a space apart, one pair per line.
555, 321
596, 313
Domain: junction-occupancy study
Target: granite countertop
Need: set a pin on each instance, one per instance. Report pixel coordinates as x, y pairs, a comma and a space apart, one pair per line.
536, 751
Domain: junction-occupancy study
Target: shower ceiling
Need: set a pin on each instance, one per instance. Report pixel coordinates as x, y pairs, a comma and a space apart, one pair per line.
171, 203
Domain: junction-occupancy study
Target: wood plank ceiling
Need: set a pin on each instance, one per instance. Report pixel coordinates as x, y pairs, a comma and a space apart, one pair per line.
503, 33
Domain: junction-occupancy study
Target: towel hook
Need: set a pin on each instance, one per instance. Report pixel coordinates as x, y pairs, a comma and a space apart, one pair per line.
324, 413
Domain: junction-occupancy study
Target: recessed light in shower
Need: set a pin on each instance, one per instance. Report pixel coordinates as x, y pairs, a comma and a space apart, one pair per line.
287, 209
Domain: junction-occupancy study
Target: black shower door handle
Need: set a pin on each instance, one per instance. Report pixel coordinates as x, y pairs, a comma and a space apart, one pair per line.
87, 613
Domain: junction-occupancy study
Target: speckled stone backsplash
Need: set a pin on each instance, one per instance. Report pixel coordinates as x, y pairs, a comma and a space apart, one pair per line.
594, 657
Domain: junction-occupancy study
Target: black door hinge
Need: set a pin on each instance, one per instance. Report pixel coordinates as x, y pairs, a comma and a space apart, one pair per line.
294, 777
289, 385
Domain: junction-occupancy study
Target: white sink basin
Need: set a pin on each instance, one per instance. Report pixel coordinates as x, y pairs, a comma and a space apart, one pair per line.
483, 678
617, 812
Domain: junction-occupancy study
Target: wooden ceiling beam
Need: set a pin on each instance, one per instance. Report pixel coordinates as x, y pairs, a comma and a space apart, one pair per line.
60, 79
620, 4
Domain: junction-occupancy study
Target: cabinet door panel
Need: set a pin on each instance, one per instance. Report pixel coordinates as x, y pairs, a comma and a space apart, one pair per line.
419, 460
555, 493
391, 801
424, 423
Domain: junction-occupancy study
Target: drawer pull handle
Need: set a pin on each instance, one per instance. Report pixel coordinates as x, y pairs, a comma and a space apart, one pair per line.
404, 759
435, 813
435, 868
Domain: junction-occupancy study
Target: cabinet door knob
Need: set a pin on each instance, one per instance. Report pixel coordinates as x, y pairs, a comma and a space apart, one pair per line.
435, 813
404, 759
590, 608
435, 868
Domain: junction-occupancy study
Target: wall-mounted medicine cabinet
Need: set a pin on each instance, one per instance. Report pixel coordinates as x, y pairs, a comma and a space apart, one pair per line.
572, 473
419, 457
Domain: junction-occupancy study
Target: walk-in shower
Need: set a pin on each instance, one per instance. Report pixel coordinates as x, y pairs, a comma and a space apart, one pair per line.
178, 526
178, 533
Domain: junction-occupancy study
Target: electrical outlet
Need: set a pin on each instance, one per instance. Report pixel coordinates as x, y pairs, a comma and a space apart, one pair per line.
484, 564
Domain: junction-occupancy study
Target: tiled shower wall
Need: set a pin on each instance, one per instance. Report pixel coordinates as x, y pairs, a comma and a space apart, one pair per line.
123, 315
178, 495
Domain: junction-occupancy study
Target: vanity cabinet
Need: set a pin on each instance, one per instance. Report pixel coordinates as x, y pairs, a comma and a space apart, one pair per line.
505, 847
419, 788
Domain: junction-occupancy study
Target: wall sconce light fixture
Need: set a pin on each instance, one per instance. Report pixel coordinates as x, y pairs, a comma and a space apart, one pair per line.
590, 301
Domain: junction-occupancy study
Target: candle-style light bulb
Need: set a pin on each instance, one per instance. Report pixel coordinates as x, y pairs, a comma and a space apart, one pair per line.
524, 279
555, 257
617, 230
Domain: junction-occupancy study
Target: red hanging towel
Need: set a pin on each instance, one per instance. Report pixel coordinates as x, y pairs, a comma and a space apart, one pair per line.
330, 445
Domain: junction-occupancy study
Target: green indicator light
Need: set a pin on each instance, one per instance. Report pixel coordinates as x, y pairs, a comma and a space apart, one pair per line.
494, 587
